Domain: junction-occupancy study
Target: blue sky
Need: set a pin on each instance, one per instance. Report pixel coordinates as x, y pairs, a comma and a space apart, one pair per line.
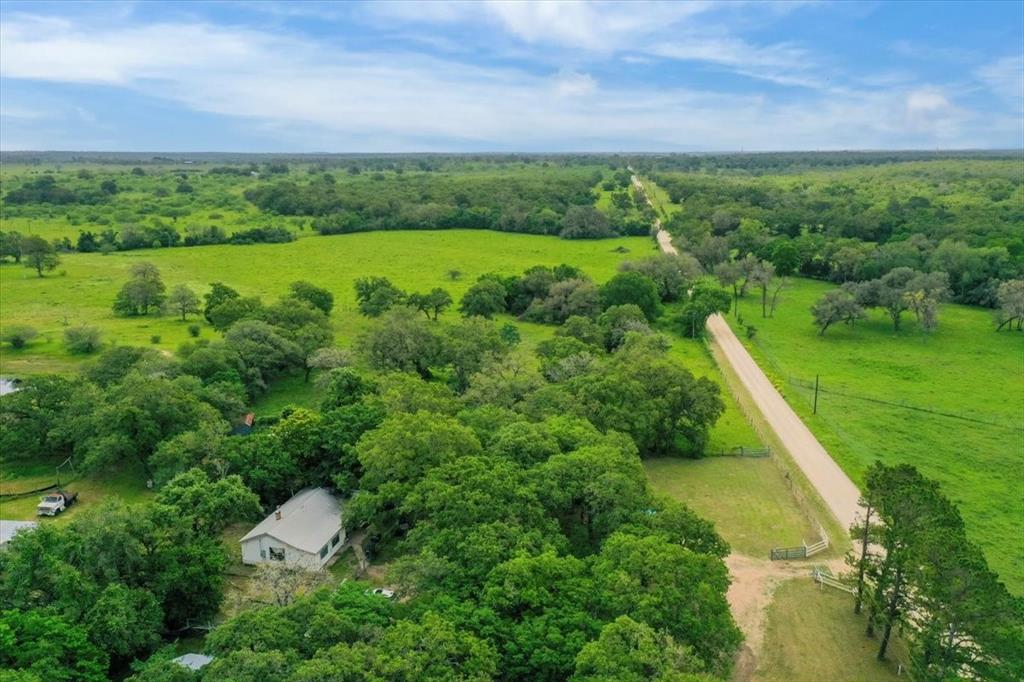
510, 76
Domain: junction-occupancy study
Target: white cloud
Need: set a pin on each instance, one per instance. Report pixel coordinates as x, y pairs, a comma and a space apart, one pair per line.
1005, 77
322, 96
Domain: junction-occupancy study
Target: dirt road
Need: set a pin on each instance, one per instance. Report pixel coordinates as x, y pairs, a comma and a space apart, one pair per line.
834, 486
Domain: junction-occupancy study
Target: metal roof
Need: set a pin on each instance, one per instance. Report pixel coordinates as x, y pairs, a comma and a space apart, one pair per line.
9, 528
308, 520
193, 661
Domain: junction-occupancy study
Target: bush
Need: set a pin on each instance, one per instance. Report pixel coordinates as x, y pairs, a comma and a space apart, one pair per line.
18, 335
193, 330
82, 339
154, 339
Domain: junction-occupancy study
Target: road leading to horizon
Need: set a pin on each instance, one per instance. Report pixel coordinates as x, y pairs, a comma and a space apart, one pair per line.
833, 485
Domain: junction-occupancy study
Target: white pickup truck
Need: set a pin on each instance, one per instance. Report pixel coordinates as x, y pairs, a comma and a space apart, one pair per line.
54, 503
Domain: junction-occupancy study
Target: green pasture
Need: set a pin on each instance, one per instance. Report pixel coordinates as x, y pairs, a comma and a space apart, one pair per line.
963, 368
83, 288
746, 498
127, 484
812, 634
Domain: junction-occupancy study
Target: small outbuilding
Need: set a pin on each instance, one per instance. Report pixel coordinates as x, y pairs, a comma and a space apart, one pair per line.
8, 529
193, 661
305, 531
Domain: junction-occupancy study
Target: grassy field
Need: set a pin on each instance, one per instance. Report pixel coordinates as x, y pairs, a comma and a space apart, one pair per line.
746, 498
128, 484
415, 261
963, 368
812, 634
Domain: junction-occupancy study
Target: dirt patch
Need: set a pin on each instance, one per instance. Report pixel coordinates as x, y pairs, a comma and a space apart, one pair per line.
753, 584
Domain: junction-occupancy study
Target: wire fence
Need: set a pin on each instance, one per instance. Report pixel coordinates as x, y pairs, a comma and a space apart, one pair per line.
810, 386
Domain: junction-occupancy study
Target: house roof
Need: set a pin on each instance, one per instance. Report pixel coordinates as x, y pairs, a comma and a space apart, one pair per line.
193, 661
9, 528
308, 520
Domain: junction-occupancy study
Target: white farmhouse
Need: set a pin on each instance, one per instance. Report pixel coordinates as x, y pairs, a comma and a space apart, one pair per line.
305, 531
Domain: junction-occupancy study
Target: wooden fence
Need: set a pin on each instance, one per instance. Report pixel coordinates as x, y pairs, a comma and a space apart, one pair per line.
743, 451
825, 579
802, 552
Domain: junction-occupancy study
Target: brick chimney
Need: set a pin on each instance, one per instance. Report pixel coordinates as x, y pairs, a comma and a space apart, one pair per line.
277, 514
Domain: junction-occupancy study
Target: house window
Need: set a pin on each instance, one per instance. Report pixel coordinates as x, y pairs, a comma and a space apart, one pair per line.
335, 540
263, 554
323, 551
277, 553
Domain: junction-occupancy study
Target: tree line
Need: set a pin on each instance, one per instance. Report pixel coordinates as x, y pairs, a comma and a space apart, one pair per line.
961, 219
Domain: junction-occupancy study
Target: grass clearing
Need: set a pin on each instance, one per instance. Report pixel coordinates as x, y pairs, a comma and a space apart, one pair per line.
127, 483
415, 261
812, 634
747, 499
964, 367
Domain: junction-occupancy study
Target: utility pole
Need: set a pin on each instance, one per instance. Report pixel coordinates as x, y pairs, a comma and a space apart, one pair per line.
816, 378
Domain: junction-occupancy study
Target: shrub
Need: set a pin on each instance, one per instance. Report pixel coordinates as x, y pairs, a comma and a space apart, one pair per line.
154, 339
82, 339
193, 330
18, 335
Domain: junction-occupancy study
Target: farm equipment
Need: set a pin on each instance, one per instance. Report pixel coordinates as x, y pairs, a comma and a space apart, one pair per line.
54, 503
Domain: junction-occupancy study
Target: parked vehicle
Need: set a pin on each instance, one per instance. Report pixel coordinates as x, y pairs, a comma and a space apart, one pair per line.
54, 503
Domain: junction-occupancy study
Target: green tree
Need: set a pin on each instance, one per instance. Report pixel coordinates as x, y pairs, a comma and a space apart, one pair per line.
565, 299
468, 345
585, 222
143, 291
10, 245
183, 301
761, 276
83, 339
619, 320
18, 335
396, 455
38, 254
544, 604
486, 299
632, 288
628, 651
263, 348
210, 506
327, 358
235, 309
1010, 299
837, 305
377, 295
125, 622
319, 298
673, 590
219, 293
250, 666
704, 301
671, 273
49, 646
431, 304
401, 341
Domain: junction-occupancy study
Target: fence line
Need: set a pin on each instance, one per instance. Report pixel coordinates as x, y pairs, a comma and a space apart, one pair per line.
743, 451
810, 386
25, 493
824, 579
